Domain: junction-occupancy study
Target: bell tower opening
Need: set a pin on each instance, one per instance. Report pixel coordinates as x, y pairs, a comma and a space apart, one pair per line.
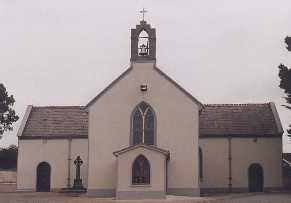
143, 43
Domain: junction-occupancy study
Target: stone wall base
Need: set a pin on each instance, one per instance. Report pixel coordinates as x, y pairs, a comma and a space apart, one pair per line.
131, 195
191, 192
101, 192
236, 190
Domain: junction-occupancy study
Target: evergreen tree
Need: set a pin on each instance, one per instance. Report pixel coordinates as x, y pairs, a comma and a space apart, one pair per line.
7, 113
285, 80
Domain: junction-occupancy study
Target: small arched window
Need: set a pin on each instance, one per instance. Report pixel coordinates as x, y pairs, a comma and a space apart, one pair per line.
143, 125
141, 171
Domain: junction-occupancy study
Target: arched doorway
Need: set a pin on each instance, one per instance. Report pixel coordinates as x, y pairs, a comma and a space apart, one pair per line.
43, 177
256, 178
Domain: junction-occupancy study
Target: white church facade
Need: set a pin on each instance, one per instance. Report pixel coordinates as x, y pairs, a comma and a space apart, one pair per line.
144, 136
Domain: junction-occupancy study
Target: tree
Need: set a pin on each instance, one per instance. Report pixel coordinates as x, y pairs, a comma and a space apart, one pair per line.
7, 113
288, 42
285, 80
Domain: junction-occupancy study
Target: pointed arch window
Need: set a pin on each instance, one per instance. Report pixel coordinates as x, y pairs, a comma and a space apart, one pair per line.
141, 171
143, 125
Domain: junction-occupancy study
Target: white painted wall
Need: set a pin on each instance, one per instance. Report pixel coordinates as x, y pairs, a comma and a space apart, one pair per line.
55, 152
265, 151
245, 151
215, 163
177, 127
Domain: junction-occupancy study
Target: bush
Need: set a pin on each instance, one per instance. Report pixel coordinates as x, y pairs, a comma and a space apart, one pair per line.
8, 158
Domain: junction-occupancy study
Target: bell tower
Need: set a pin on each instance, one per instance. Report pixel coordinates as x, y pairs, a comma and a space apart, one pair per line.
143, 42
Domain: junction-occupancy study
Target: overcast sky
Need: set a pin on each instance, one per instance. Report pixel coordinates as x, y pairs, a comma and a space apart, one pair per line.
64, 52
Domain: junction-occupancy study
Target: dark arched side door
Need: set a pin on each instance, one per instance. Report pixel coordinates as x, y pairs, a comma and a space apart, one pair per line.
43, 180
256, 178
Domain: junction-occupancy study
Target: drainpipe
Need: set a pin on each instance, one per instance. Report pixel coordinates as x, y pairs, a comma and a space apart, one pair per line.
69, 162
229, 164
167, 163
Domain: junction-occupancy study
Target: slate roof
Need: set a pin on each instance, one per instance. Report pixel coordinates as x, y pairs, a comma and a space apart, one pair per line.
216, 120
56, 122
239, 120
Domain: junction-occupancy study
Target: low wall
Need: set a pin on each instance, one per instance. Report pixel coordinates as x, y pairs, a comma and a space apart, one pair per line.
7, 176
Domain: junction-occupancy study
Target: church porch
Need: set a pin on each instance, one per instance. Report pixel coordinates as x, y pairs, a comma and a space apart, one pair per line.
141, 172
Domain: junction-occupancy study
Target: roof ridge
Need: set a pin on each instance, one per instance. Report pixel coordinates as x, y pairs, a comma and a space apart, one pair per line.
238, 104
58, 107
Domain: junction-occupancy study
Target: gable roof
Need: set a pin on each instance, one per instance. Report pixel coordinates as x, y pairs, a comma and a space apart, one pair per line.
240, 120
216, 120
156, 69
53, 122
149, 147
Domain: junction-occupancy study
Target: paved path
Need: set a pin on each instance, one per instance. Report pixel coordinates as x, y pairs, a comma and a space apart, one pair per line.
62, 198
259, 198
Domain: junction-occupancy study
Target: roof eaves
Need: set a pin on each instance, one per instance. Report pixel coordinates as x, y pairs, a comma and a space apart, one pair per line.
53, 137
59, 107
239, 135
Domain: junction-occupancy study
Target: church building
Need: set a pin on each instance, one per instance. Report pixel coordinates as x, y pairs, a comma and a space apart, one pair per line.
144, 136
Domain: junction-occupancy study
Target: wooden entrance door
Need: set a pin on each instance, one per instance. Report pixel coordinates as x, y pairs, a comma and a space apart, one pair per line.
43, 174
256, 178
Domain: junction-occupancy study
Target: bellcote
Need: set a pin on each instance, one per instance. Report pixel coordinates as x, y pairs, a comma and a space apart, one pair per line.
143, 43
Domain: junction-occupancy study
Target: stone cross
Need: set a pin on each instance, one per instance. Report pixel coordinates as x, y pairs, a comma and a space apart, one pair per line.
78, 162
143, 13
78, 181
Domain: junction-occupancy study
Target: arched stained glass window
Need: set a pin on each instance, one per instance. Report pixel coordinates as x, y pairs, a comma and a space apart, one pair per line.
137, 124
143, 125
141, 171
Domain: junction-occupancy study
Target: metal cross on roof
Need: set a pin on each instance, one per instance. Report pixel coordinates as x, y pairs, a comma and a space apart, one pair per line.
143, 13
